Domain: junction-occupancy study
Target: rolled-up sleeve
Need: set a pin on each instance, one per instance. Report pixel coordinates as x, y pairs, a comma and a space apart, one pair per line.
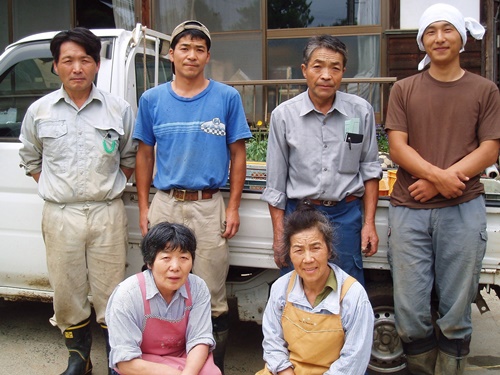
369, 167
128, 146
31, 149
276, 164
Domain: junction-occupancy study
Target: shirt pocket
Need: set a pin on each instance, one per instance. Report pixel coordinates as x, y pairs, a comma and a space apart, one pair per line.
108, 141
54, 137
108, 157
350, 153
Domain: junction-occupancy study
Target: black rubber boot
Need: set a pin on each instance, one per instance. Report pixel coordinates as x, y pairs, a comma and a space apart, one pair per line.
105, 332
78, 339
220, 327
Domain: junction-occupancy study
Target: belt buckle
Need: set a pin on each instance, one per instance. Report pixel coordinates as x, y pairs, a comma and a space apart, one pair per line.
180, 197
329, 203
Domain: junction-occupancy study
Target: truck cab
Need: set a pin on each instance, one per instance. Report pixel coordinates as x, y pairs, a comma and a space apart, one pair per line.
131, 62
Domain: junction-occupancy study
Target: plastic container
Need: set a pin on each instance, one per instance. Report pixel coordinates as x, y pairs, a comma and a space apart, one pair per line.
383, 187
391, 177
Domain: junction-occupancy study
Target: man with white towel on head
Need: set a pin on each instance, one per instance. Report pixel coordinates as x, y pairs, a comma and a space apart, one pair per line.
444, 130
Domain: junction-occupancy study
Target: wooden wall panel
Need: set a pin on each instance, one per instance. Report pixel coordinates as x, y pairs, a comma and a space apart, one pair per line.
403, 55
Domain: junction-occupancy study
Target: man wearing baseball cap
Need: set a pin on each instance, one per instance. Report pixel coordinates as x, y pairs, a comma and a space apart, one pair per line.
444, 130
199, 129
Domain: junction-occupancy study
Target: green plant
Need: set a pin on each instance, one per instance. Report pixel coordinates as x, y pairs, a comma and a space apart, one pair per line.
257, 145
382, 140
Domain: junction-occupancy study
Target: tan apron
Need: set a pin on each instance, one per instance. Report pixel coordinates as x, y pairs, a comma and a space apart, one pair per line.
314, 340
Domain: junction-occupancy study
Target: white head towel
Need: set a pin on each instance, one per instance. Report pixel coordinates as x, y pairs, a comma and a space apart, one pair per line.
448, 13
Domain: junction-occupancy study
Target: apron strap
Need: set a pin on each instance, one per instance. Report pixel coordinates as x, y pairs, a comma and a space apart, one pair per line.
142, 285
291, 283
345, 286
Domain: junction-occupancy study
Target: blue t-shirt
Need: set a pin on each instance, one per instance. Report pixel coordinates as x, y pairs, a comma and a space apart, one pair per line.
192, 135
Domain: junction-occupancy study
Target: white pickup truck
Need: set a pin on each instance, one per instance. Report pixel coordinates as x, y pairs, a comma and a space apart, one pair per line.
130, 63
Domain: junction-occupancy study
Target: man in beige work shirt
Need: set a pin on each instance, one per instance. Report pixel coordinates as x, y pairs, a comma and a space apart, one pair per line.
77, 145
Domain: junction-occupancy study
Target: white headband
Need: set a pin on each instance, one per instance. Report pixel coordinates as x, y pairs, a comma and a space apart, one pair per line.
448, 13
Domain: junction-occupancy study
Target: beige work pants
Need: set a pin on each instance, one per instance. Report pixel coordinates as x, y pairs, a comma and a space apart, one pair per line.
86, 246
206, 218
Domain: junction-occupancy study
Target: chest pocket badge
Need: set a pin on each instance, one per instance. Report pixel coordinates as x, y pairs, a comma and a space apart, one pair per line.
215, 127
109, 141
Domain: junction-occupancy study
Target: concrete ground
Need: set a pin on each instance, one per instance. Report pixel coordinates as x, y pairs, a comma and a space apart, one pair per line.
30, 345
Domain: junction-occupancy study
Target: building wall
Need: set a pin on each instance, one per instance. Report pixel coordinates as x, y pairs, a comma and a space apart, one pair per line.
403, 54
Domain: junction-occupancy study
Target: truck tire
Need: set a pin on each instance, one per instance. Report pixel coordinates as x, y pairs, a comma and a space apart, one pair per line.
387, 351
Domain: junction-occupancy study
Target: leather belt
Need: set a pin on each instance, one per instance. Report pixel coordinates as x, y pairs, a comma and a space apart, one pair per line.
326, 203
191, 195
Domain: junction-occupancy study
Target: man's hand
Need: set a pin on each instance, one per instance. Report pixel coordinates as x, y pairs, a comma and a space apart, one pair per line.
369, 239
423, 190
278, 252
232, 223
450, 183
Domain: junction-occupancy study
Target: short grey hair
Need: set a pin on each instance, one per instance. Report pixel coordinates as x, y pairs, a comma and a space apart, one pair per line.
324, 41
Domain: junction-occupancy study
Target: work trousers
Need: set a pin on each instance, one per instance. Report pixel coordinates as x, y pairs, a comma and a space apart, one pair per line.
441, 248
206, 218
86, 245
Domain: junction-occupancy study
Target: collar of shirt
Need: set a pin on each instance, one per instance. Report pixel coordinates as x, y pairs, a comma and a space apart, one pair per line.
152, 289
94, 94
331, 284
330, 303
338, 104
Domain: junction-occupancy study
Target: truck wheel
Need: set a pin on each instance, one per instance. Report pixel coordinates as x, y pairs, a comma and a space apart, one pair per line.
387, 351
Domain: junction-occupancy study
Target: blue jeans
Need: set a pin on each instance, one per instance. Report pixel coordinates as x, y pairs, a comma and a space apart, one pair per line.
441, 248
346, 220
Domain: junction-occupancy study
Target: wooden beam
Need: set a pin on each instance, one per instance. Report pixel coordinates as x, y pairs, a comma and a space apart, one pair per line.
146, 13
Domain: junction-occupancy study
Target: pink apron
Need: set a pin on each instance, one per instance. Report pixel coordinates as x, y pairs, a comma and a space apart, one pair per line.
165, 341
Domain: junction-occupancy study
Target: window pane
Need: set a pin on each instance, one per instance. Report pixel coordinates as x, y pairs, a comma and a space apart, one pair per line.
4, 24
283, 14
47, 15
285, 58
224, 15
164, 73
235, 57
217, 15
25, 81
238, 57
95, 14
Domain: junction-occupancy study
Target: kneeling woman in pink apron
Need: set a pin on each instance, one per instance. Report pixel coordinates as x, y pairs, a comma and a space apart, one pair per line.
159, 320
318, 319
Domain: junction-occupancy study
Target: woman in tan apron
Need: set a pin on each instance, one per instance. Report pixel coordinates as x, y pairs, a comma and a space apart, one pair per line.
318, 319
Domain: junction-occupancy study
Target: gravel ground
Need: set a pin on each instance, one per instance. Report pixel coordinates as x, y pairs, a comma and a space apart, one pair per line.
30, 345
